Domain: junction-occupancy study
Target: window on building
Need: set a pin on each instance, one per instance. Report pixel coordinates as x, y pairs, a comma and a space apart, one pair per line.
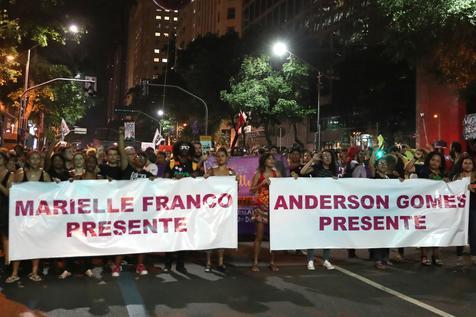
166, 34
231, 13
156, 60
156, 51
157, 33
158, 17
166, 18
175, 19
164, 60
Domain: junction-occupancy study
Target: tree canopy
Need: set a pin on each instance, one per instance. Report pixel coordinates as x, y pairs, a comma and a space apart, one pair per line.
270, 95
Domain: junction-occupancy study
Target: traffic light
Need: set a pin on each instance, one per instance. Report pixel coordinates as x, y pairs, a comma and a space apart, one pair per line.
145, 88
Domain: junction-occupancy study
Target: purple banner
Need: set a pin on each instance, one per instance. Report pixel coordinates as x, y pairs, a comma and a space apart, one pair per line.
245, 167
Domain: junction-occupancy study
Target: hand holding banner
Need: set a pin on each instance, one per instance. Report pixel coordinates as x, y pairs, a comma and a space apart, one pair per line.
87, 218
312, 213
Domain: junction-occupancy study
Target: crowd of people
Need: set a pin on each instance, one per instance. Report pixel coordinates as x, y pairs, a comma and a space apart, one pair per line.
61, 163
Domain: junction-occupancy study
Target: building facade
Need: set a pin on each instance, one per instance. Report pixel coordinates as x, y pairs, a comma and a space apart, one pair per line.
151, 34
202, 17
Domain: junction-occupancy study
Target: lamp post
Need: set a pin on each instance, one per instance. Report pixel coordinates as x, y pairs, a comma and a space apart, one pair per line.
188, 93
437, 116
27, 90
280, 49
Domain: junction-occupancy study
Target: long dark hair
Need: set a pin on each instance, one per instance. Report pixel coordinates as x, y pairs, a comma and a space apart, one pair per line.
262, 161
442, 158
332, 165
458, 169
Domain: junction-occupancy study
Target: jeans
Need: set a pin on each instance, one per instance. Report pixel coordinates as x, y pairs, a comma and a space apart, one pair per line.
311, 253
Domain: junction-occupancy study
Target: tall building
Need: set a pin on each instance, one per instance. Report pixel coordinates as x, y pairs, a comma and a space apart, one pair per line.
151, 35
202, 17
280, 14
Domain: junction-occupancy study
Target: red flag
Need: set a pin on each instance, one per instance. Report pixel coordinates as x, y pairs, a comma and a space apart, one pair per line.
240, 120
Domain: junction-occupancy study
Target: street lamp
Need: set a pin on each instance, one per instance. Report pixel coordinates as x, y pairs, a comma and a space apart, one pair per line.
10, 58
437, 116
188, 93
73, 28
160, 113
280, 49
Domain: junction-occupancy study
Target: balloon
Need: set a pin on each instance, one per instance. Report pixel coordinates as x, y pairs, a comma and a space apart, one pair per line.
172, 4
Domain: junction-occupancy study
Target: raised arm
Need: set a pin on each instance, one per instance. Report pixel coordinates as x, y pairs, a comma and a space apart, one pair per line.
122, 152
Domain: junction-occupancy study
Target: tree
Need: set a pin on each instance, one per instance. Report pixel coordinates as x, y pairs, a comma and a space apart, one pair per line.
440, 31
270, 95
35, 24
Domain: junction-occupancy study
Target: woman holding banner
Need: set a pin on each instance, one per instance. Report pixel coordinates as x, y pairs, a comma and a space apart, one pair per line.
434, 168
322, 165
6, 178
465, 167
79, 164
260, 187
222, 169
380, 168
32, 173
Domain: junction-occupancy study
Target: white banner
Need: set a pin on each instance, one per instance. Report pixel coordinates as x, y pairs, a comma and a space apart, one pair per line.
86, 218
312, 213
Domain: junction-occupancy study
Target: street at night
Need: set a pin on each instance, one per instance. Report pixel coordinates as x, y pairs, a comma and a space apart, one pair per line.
237, 158
353, 289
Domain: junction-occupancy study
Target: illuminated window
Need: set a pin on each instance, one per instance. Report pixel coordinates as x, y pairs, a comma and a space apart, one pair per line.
166, 34
164, 60
175, 19
156, 60
166, 18
158, 17
157, 33
176, 11
156, 51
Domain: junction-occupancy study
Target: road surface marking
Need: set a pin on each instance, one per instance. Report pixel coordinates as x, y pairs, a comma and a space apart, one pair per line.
394, 293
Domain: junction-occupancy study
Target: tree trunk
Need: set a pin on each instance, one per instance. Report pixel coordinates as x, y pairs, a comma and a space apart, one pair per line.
266, 133
296, 139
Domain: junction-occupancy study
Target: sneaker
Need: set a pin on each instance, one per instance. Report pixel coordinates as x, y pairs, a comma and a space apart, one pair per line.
116, 271
166, 269
380, 265
89, 273
64, 275
310, 266
459, 261
140, 269
208, 268
328, 265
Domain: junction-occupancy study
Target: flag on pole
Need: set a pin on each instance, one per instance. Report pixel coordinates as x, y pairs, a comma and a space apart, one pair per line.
157, 138
241, 120
64, 129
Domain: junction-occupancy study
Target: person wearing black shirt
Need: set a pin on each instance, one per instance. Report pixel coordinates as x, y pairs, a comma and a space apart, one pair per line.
182, 165
322, 165
111, 169
132, 168
58, 170
295, 164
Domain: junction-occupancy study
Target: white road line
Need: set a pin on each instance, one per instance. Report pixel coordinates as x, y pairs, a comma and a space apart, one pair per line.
394, 293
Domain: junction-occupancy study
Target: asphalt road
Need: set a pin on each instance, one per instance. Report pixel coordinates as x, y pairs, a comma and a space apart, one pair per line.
355, 288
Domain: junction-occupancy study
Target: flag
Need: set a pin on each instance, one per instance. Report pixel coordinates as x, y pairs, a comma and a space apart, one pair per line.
64, 129
241, 120
157, 138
